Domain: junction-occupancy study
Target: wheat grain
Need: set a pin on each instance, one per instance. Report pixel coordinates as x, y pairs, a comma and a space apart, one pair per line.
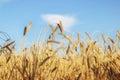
60, 26
44, 61
88, 35
68, 49
29, 26
111, 40
27, 29
53, 41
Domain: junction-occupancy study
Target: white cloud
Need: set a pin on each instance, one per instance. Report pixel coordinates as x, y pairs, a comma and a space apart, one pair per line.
67, 21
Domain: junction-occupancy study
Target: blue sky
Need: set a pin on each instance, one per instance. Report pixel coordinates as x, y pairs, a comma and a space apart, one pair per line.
81, 15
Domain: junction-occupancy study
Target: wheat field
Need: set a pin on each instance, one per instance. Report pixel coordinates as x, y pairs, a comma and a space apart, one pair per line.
79, 60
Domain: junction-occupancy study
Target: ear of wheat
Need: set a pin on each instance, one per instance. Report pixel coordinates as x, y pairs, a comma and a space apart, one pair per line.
27, 29
69, 58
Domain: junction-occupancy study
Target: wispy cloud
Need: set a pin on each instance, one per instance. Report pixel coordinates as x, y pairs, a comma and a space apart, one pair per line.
5, 1
68, 21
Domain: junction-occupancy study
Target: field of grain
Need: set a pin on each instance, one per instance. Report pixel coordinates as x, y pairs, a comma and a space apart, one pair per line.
86, 59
